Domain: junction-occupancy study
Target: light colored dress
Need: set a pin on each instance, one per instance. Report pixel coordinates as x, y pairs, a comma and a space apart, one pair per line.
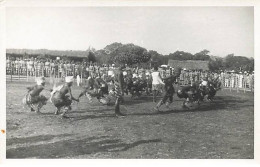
156, 80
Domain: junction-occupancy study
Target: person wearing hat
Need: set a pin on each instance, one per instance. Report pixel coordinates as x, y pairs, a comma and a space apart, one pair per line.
33, 98
62, 96
169, 89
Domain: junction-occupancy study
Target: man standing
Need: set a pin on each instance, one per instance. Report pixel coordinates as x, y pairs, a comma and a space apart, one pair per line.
47, 67
119, 87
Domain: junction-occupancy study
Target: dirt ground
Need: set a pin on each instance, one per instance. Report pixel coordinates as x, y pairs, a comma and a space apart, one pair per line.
223, 128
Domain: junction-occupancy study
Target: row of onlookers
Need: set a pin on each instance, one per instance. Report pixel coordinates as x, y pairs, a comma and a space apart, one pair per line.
60, 68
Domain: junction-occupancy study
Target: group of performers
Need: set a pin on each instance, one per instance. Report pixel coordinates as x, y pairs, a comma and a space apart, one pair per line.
121, 83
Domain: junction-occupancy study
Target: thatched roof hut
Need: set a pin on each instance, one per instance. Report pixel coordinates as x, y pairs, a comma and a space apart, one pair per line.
189, 64
74, 55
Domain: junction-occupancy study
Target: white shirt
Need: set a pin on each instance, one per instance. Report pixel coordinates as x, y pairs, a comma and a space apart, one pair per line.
156, 78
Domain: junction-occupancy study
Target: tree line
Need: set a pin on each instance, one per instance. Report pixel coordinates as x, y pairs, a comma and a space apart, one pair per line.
133, 54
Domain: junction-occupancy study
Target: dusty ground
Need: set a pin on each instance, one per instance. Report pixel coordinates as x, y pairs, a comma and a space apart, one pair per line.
222, 129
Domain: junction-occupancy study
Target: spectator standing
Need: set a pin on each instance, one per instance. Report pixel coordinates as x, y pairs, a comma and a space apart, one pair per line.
47, 67
156, 83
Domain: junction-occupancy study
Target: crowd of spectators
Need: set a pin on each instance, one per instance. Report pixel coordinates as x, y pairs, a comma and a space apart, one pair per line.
62, 68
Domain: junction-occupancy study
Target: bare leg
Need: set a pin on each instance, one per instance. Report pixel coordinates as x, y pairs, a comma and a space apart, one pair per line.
167, 105
154, 95
158, 105
57, 111
117, 107
66, 109
31, 107
82, 93
39, 107
185, 102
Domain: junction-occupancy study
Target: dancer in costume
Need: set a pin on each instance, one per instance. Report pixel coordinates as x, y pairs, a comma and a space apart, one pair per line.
169, 90
62, 96
191, 93
96, 88
33, 98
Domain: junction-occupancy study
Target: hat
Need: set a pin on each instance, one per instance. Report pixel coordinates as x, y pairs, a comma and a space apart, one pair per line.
110, 73
204, 83
40, 80
124, 73
134, 75
147, 73
69, 79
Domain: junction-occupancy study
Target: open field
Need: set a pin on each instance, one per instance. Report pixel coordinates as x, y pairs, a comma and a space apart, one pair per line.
223, 128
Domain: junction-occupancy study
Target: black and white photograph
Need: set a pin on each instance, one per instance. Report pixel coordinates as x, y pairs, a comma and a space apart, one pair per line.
129, 82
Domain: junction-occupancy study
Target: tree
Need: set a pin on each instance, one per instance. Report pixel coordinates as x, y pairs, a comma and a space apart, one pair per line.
130, 54
216, 64
103, 57
238, 63
112, 47
157, 59
202, 55
181, 55
91, 57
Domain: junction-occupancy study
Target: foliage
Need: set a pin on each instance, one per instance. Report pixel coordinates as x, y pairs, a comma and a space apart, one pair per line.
103, 57
202, 55
216, 64
181, 55
238, 63
112, 47
157, 59
130, 54
232, 62
91, 57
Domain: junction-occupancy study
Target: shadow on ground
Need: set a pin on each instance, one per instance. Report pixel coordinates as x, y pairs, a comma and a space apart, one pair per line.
67, 148
33, 139
219, 103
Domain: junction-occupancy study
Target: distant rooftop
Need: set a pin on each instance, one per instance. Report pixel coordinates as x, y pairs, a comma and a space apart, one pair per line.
189, 64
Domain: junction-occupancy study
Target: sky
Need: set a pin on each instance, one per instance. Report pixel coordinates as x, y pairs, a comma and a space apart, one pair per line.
221, 30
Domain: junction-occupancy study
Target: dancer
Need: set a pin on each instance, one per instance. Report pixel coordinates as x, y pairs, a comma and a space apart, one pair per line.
33, 98
96, 88
169, 90
62, 96
190, 93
